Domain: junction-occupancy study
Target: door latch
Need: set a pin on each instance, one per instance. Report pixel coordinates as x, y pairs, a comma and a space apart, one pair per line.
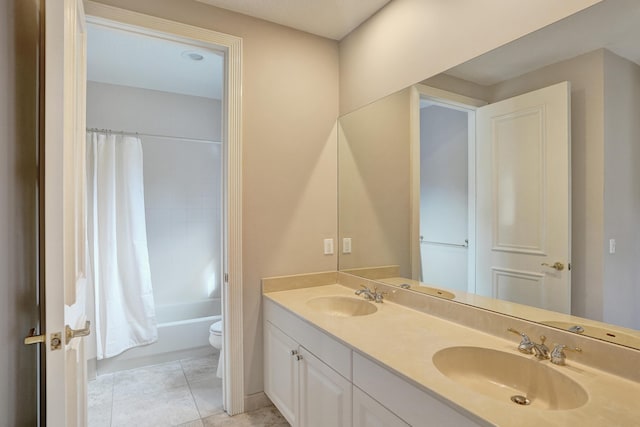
32, 338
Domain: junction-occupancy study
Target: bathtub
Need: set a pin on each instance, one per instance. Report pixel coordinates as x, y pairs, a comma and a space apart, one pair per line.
183, 331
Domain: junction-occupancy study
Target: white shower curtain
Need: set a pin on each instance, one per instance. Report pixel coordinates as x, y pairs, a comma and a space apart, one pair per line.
117, 242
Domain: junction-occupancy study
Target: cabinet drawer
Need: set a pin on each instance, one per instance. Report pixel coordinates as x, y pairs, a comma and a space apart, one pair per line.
326, 348
413, 405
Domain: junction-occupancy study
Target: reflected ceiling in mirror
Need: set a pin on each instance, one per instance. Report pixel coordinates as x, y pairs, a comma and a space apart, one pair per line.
596, 51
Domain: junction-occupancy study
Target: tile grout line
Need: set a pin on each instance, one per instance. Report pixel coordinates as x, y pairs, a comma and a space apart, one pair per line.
113, 391
195, 402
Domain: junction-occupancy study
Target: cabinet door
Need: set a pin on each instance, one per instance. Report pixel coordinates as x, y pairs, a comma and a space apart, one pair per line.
325, 395
281, 372
367, 412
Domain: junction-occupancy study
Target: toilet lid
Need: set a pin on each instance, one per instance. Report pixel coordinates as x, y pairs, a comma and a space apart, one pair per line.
216, 328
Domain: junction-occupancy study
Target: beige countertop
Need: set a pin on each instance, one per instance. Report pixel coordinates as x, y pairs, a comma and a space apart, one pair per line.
405, 340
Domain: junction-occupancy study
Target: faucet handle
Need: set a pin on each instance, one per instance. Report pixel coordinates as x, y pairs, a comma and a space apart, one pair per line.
542, 345
525, 346
379, 296
541, 351
558, 357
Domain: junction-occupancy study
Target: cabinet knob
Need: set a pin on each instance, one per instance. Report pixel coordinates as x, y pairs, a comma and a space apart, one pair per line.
298, 357
294, 352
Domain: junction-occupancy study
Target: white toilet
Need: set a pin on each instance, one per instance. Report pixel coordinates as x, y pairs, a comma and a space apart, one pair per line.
215, 339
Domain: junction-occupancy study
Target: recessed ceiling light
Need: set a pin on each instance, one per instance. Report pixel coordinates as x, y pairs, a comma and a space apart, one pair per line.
194, 56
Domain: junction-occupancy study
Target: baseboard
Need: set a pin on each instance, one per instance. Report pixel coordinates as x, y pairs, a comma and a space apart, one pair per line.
256, 401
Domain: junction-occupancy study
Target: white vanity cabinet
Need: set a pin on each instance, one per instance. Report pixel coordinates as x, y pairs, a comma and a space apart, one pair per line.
307, 392
317, 381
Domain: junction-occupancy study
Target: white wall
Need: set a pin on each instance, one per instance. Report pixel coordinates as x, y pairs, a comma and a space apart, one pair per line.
411, 40
621, 191
150, 111
444, 196
182, 181
18, 251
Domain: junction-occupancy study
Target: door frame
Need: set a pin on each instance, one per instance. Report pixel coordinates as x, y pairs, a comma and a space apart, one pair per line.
461, 103
233, 378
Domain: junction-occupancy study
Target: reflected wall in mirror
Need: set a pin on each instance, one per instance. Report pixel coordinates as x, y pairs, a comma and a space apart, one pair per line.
412, 201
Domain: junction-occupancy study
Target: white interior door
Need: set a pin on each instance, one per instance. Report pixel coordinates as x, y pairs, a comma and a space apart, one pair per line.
523, 222
64, 212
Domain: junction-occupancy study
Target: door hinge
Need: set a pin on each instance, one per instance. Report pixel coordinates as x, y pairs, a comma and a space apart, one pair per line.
226, 277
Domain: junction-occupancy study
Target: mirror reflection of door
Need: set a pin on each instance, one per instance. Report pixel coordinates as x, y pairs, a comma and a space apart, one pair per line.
444, 172
523, 199
494, 203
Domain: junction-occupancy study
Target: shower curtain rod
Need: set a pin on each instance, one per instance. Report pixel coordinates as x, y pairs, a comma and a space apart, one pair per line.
151, 135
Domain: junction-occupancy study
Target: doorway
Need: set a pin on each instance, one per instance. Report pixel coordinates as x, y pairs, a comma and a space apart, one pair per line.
155, 224
443, 153
444, 194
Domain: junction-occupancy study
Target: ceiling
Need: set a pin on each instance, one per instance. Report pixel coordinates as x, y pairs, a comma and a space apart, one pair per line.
127, 58
612, 24
123, 57
333, 19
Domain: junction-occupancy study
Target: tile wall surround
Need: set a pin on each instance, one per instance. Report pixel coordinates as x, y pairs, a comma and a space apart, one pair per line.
611, 358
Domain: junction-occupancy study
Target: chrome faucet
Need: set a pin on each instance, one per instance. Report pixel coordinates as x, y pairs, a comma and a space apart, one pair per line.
541, 351
557, 355
370, 295
526, 346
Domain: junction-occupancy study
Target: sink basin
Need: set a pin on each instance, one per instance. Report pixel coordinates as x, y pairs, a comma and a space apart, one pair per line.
342, 306
606, 334
510, 378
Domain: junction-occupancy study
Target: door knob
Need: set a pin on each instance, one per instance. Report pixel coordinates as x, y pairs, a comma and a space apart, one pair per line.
73, 333
556, 265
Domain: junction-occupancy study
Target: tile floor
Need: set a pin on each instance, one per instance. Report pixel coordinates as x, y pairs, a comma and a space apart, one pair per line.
184, 393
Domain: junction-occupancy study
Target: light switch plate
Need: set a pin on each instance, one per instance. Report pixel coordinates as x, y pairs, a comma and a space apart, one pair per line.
346, 245
328, 246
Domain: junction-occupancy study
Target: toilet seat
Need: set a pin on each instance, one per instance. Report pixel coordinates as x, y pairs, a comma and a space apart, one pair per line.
215, 339
216, 328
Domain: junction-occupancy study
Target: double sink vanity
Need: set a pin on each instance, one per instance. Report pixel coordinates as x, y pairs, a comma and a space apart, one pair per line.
342, 350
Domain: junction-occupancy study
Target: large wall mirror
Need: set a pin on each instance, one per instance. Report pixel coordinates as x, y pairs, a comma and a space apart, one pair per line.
510, 182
